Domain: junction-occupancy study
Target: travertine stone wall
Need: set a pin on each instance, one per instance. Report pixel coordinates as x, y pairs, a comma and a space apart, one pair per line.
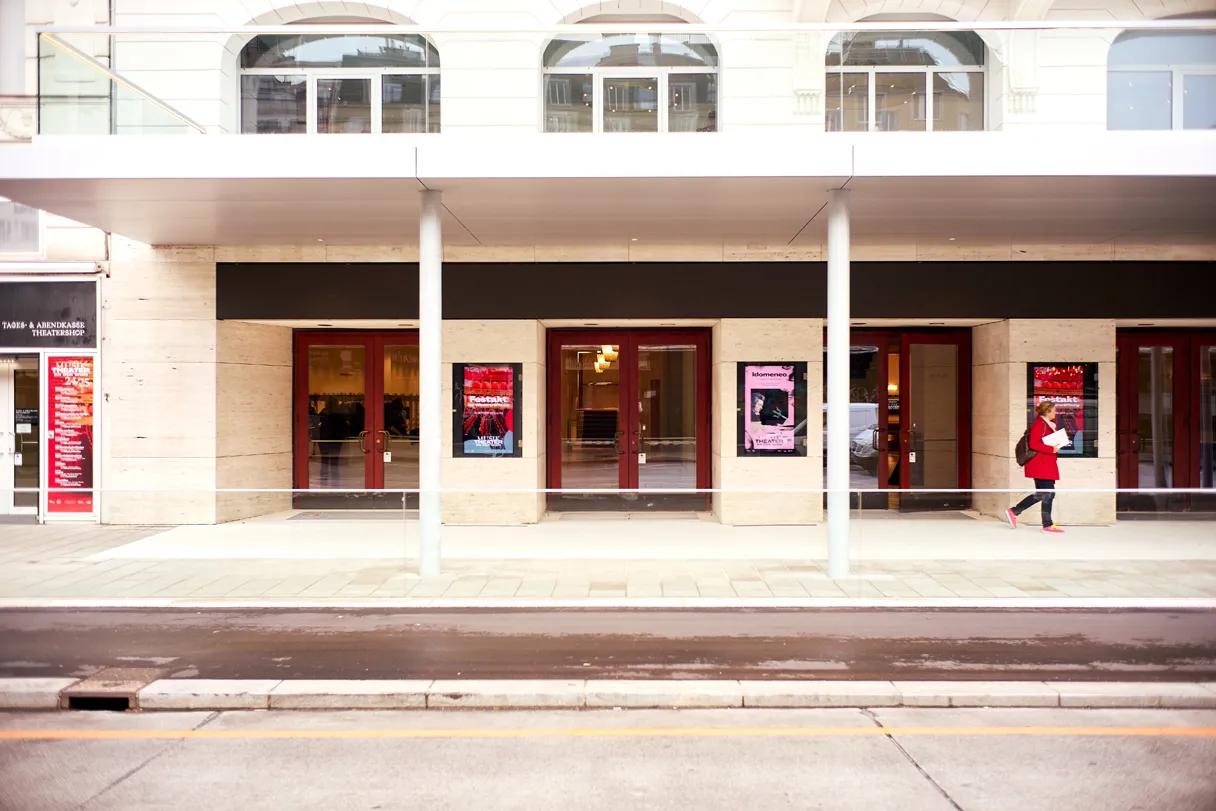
158, 384
253, 418
1000, 352
521, 341
792, 340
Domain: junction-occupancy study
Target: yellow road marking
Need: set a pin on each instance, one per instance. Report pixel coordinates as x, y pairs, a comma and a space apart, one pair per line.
709, 732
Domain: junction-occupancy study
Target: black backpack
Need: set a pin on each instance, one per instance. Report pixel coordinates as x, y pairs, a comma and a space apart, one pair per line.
1022, 451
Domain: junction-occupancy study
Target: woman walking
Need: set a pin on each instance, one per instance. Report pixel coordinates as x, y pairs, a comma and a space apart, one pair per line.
1043, 467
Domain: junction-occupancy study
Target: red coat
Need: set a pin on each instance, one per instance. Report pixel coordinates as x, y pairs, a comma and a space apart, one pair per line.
1044, 464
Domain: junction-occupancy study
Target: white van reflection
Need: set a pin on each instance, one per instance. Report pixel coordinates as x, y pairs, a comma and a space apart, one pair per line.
863, 428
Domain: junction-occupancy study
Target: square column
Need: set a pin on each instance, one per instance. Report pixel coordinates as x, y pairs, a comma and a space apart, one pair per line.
1000, 354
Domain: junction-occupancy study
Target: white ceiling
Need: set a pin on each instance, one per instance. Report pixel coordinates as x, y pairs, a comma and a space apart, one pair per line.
760, 189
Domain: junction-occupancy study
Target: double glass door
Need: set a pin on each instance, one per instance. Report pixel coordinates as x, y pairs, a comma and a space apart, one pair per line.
1167, 420
909, 419
629, 411
20, 435
356, 419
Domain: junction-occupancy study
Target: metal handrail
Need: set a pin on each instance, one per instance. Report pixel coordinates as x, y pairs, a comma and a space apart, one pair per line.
373, 29
127, 83
1177, 491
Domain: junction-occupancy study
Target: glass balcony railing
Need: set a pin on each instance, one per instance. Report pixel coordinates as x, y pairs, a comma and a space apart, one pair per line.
889, 76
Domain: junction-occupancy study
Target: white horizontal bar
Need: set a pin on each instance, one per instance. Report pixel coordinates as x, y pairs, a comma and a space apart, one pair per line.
645, 28
1178, 491
26, 268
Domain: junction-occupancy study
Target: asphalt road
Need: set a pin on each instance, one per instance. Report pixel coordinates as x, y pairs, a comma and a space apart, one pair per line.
832, 760
684, 644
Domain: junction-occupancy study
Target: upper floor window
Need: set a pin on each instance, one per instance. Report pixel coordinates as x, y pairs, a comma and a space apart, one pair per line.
327, 83
631, 83
1162, 80
912, 81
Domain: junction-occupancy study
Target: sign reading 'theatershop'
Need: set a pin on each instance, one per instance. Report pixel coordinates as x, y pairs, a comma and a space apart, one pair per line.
70, 434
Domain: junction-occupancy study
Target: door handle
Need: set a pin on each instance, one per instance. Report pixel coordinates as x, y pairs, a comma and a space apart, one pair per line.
616, 442
388, 439
363, 441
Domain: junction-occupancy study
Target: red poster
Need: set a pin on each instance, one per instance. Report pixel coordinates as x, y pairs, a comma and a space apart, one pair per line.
488, 424
1063, 385
70, 434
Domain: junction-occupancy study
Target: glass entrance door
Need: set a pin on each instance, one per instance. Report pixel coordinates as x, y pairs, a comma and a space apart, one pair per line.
1166, 420
356, 419
629, 411
20, 434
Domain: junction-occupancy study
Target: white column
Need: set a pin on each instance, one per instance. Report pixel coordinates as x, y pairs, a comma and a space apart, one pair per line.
12, 48
430, 382
838, 383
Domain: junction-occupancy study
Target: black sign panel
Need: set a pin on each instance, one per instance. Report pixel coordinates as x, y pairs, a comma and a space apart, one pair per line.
48, 315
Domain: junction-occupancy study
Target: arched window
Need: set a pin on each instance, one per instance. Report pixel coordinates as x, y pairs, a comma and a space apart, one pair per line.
1162, 80
913, 81
631, 83
329, 83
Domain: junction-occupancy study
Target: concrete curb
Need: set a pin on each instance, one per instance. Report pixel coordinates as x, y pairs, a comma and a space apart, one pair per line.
526, 694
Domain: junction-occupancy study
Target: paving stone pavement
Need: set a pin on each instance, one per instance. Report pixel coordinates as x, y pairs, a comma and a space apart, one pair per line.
53, 562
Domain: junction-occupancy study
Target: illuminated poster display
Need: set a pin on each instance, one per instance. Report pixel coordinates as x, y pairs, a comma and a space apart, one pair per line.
487, 402
772, 409
70, 434
1073, 387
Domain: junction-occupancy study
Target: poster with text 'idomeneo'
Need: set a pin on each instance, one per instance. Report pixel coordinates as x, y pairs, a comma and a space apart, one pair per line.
487, 402
772, 409
70, 434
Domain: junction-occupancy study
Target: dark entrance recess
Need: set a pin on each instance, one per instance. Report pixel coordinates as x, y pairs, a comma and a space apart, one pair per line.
1139, 290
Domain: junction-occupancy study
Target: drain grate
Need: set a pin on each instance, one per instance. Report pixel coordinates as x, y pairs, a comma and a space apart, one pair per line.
115, 689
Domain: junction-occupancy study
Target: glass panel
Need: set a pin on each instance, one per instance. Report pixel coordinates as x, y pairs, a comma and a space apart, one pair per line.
336, 417
865, 388
401, 418
274, 104
667, 417
1139, 100
692, 102
1156, 420
847, 102
1207, 424
339, 51
1142, 48
1199, 101
631, 105
933, 431
958, 102
409, 103
28, 431
568, 103
899, 102
879, 48
631, 50
591, 429
344, 105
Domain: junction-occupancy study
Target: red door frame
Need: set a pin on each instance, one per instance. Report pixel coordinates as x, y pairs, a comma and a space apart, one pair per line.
883, 341
628, 341
373, 343
1186, 397
961, 340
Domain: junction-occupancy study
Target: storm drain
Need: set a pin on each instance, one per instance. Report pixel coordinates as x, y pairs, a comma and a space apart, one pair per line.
115, 689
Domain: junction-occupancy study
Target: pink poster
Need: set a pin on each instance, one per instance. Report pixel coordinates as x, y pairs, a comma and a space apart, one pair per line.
769, 422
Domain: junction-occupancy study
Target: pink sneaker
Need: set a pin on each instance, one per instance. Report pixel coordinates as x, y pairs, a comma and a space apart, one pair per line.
1012, 518
1053, 530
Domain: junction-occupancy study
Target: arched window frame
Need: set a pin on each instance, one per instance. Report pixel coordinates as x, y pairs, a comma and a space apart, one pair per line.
871, 72
1177, 70
601, 75
376, 77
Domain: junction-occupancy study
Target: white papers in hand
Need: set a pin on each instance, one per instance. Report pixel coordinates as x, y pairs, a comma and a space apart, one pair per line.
1057, 440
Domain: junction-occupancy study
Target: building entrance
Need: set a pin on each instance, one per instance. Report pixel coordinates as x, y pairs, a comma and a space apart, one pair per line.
629, 410
20, 435
356, 419
1167, 420
909, 419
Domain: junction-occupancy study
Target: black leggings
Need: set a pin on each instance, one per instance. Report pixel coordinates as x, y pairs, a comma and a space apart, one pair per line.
1045, 491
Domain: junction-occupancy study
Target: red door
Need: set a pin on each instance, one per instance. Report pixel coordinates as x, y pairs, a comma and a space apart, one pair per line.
1166, 420
935, 420
356, 418
629, 410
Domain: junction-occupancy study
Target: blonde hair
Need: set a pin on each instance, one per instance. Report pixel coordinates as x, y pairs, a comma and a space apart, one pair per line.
1044, 407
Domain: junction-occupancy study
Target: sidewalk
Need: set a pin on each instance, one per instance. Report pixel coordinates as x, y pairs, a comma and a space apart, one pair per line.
628, 560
